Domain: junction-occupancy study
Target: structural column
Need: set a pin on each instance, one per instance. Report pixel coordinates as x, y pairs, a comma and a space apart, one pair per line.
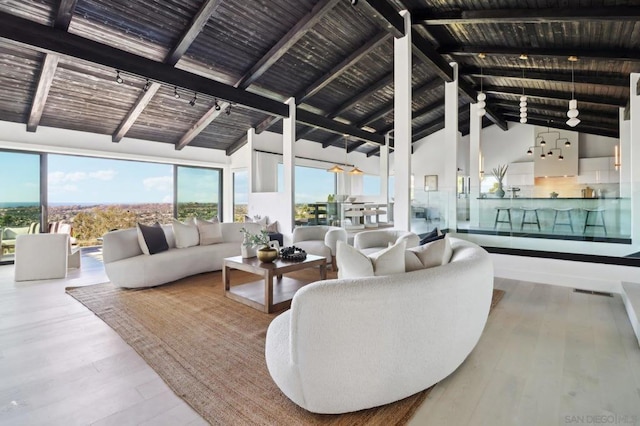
450, 149
475, 143
384, 174
251, 136
402, 125
289, 163
633, 162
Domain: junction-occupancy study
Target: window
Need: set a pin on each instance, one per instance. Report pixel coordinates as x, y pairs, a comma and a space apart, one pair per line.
20, 207
240, 195
97, 195
370, 185
198, 192
312, 185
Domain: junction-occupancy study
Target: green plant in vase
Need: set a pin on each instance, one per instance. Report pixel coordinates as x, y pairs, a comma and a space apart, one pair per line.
499, 173
257, 244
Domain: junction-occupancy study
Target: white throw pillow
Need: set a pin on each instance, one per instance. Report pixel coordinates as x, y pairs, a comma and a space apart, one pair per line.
435, 253
185, 235
353, 264
210, 232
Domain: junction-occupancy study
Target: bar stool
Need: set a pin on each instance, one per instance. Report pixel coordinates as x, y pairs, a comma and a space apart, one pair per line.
567, 211
526, 210
501, 209
595, 211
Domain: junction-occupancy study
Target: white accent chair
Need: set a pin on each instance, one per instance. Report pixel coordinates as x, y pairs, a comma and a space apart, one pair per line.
356, 343
44, 257
372, 241
319, 240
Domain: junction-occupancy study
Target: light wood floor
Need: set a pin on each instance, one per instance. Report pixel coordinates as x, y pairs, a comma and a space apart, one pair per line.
548, 356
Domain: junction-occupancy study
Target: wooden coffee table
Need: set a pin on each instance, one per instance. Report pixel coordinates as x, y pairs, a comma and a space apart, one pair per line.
263, 294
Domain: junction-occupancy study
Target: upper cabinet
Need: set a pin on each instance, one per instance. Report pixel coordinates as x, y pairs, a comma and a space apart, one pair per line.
520, 174
598, 170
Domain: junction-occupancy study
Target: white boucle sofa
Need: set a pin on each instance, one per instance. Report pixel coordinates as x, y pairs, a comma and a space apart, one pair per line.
351, 344
126, 265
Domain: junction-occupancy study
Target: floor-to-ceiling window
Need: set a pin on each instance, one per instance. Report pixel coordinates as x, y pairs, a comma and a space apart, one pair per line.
313, 186
240, 194
96, 195
198, 192
20, 208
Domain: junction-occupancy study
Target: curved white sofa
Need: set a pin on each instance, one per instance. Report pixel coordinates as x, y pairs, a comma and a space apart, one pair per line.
126, 265
351, 344
320, 240
372, 241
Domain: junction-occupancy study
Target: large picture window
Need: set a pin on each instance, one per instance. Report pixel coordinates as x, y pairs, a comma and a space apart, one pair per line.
198, 192
240, 195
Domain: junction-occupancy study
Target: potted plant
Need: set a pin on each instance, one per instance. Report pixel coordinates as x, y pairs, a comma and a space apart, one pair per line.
257, 244
499, 173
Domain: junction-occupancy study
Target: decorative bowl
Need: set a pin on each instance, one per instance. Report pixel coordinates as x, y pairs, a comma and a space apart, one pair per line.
267, 254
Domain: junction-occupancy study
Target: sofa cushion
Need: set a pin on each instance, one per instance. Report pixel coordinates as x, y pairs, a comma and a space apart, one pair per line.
352, 263
431, 236
435, 253
152, 239
186, 234
272, 228
210, 233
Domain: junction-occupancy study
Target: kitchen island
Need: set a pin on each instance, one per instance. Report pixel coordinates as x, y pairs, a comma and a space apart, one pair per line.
616, 213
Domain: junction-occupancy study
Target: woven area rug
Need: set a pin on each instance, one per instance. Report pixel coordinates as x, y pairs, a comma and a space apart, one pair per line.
210, 350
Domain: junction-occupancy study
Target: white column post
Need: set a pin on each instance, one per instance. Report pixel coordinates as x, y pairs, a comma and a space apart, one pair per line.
634, 159
625, 157
449, 181
402, 125
251, 134
475, 139
384, 175
227, 192
289, 163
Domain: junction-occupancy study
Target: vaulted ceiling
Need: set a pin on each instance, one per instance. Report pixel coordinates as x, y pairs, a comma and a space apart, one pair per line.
232, 63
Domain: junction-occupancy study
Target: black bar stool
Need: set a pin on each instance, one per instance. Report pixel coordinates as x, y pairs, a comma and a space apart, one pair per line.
501, 209
526, 210
567, 211
595, 211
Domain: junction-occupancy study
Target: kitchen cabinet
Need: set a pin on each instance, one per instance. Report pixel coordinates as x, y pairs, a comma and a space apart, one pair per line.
597, 170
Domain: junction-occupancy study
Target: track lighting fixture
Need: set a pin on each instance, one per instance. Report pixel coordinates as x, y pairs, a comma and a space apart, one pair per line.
193, 101
146, 86
354, 2
216, 105
119, 79
228, 110
175, 92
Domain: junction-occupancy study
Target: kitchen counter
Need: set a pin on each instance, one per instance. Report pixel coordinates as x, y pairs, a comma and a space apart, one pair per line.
549, 198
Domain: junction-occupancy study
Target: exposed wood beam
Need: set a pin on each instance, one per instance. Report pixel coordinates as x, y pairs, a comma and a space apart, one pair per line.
340, 68
235, 146
47, 72
417, 113
383, 14
560, 125
382, 82
428, 53
582, 53
49, 65
516, 74
373, 151
188, 37
555, 95
526, 16
135, 111
355, 145
586, 123
65, 13
315, 120
202, 124
286, 42
49, 39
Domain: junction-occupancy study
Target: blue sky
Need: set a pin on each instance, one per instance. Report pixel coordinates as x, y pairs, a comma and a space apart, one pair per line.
19, 177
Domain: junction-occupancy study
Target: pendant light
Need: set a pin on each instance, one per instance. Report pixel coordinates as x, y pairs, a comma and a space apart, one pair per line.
573, 120
481, 97
523, 103
355, 170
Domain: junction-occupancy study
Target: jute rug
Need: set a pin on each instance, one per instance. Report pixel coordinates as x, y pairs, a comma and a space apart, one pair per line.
210, 351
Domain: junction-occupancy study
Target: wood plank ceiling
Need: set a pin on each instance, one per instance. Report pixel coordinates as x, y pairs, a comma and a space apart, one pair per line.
334, 57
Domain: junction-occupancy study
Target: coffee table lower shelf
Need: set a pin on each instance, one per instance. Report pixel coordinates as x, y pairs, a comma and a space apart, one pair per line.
274, 291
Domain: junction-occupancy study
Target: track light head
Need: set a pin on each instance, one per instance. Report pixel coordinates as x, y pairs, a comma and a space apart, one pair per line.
193, 101
354, 2
119, 79
146, 86
175, 92
216, 105
228, 110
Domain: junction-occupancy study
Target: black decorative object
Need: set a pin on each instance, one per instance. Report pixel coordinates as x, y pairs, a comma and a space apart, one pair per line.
293, 253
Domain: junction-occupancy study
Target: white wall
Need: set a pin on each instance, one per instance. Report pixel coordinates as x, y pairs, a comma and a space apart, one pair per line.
592, 146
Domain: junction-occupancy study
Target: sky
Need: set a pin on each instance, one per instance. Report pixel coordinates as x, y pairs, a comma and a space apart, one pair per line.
86, 180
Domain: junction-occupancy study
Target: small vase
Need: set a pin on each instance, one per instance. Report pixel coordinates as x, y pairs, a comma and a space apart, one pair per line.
500, 192
267, 254
247, 251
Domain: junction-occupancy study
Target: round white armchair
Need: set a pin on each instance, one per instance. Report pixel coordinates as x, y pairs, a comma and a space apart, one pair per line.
320, 240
